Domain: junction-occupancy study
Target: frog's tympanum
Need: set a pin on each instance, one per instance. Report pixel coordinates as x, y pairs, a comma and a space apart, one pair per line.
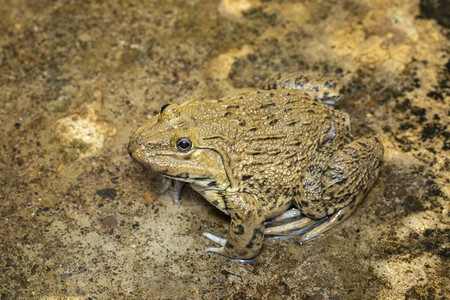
256, 153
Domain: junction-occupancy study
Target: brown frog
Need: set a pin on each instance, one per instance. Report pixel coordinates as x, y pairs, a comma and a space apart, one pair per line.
256, 153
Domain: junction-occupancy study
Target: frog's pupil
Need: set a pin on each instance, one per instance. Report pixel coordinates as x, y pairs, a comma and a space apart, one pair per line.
163, 107
184, 144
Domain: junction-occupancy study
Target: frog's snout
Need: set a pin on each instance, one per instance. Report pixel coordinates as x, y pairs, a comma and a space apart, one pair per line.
134, 153
131, 147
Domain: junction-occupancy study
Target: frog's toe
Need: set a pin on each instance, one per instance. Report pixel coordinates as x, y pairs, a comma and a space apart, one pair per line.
177, 189
330, 222
215, 250
218, 240
215, 239
287, 215
290, 227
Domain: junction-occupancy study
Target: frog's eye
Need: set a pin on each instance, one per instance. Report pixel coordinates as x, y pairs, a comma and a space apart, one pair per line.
184, 144
163, 108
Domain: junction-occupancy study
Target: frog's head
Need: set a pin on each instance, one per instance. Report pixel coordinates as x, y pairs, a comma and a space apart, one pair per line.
168, 144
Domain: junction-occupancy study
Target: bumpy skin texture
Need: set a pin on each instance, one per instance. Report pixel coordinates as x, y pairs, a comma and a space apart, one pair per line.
256, 153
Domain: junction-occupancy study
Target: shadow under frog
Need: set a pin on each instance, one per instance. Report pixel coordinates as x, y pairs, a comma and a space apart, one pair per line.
256, 153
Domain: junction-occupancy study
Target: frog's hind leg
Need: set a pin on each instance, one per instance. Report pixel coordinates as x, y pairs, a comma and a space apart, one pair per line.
327, 89
337, 190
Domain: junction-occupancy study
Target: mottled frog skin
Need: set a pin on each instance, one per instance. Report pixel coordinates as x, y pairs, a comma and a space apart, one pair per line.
256, 153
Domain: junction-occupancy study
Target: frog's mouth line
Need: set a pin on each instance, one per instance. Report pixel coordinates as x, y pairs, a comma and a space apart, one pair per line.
186, 178
142, 163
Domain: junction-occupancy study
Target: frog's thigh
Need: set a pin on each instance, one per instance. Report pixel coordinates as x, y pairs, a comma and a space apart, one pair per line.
325, 88
349, 174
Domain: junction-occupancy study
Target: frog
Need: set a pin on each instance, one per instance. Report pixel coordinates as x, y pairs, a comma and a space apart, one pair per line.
265, 156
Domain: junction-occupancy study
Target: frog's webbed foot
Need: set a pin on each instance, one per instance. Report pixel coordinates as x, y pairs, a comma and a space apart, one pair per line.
310, 228
330, 222
222, 242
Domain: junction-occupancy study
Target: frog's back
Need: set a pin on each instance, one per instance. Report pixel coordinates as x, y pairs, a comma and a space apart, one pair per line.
264, 137
249, 114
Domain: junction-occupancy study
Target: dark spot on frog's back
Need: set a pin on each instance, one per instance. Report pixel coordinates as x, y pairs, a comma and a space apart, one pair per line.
230, 107
306, 78
267, 105
227, 114
246, 177
273, 122
362, 144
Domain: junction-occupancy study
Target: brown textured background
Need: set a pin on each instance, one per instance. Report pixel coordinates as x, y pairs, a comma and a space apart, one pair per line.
78, 218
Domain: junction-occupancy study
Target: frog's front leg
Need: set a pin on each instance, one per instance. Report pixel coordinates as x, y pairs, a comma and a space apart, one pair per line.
246, 233
327, 89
